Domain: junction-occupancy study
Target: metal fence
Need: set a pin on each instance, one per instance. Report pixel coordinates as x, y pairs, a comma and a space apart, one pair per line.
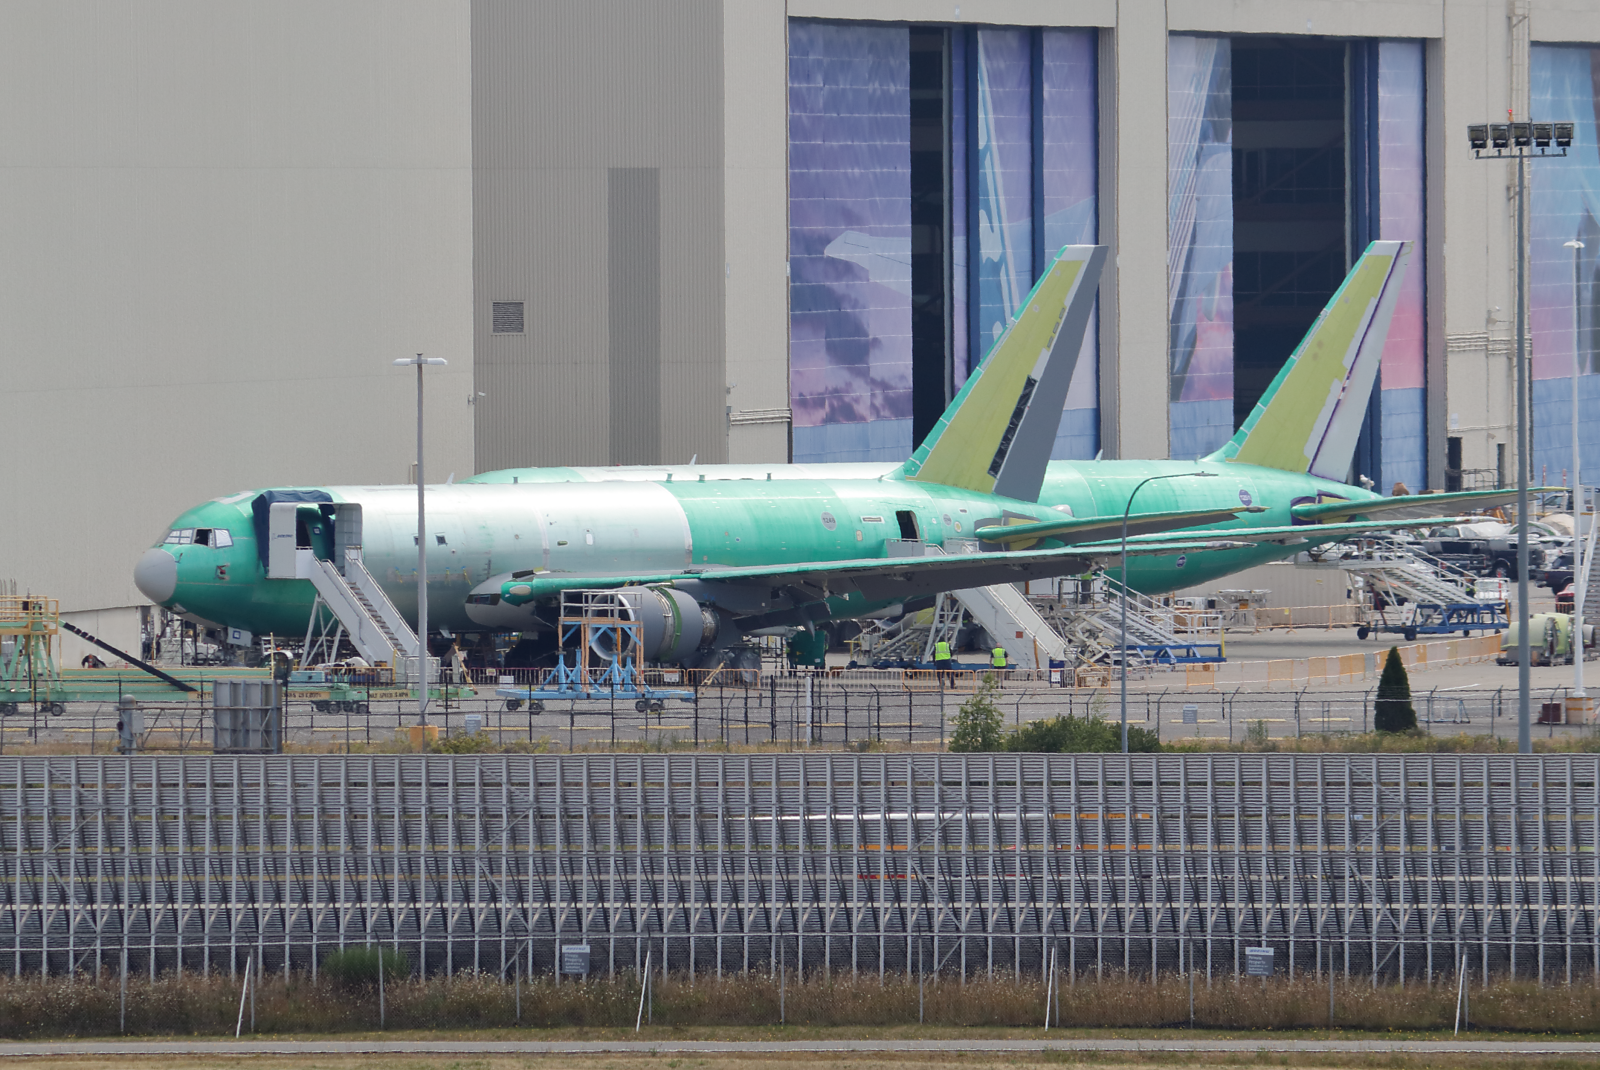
891, 709
1363, 865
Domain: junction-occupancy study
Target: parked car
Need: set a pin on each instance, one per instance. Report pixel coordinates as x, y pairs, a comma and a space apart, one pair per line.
1559, 573
1485, 555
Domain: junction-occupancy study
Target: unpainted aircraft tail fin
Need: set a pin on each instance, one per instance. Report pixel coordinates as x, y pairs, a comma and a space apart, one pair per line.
1308, 419
996, 436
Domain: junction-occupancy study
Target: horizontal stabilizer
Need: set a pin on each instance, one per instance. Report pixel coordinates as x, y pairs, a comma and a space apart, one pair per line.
1076, 531
1406, 506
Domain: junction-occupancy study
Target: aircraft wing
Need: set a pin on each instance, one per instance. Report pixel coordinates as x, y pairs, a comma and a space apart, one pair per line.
1288, 535
1407, 506
875, 578
1080, 530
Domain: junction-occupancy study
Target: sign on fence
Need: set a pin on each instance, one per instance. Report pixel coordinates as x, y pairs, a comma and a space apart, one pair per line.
1191, 714
575, 958
1258, 962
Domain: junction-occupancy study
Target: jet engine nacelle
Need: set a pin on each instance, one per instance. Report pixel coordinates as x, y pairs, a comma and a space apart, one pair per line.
672, 625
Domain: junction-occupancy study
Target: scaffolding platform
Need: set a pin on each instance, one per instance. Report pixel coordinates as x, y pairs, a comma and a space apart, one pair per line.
606, 644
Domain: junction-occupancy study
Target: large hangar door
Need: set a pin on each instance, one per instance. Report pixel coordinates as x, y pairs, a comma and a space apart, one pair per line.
1290, 236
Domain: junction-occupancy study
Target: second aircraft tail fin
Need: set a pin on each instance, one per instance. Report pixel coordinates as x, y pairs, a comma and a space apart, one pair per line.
1310, 416
996, 436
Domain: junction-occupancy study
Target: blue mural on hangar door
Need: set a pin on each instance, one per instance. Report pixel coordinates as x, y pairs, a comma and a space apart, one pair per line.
1023, 170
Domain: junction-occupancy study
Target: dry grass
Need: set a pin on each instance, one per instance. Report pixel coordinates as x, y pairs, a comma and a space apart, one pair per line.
190, 1004
812, 1061
1418, 742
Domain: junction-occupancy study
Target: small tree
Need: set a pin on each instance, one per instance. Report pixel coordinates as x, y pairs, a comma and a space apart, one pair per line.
979, 724
1392, 711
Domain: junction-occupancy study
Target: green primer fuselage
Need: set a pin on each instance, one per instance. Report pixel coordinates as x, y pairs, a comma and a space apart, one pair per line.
599, 522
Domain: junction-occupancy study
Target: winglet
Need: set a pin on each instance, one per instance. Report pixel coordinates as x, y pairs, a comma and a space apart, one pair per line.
1309, 418
996, 435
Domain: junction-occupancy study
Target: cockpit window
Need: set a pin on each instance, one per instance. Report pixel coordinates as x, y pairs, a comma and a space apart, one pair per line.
218, 537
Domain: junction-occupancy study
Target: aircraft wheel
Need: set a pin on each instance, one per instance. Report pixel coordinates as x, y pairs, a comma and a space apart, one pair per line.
1411, 635
641, 706
1363, 631
513, 705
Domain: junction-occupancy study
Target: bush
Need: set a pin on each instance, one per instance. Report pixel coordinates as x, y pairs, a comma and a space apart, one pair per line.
978, 723
1080, 735
1392, 710
477, 743
357, 967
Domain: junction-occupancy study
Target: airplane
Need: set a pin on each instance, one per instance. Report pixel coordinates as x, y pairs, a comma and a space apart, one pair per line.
706, 555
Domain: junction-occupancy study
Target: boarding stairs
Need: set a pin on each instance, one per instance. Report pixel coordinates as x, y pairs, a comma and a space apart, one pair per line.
948, 615
896, 640
369, 619
1407, 575
1014, 623
1591, 583
1089, 614
1001, 610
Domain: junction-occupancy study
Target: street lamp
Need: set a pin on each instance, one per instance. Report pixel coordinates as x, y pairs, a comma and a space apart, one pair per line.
1519, 141
1577, 496
1123, 628
422, 544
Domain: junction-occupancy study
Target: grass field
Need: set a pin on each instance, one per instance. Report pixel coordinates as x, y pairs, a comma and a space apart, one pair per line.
193, 1005
814, 1061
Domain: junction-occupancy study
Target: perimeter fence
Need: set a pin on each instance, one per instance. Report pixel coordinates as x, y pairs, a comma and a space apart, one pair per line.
893, 710
1363, 865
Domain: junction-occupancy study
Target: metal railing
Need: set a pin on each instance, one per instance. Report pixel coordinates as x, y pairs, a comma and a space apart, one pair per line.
913, 710
1359, 865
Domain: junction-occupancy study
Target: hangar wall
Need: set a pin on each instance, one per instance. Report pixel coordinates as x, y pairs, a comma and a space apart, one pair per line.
222, 221
597, 206
225, 221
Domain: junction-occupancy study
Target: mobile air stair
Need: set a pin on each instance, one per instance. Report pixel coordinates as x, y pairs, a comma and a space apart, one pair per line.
364, 613
1407, 575
1088, 614
349, 602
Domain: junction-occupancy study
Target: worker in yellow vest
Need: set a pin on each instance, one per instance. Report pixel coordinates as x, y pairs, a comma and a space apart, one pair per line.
941, 661
997, 661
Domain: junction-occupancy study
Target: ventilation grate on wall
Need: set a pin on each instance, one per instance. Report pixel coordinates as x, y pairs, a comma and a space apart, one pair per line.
507, 317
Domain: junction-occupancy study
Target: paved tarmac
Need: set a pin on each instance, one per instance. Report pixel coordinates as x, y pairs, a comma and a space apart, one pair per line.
112, 1048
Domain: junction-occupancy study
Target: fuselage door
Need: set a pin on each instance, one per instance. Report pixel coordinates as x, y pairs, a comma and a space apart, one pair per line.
281, 540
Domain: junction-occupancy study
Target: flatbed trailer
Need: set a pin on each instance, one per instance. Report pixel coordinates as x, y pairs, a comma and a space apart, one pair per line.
1429, 618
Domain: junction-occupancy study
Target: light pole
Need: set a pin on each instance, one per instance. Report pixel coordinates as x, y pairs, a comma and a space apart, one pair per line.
1577, 495
422, 544
1123, 627
1519, 141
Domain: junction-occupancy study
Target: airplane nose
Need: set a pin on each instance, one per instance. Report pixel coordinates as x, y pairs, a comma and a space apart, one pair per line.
156, 575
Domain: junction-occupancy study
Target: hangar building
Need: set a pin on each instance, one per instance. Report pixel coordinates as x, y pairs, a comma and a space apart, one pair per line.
746, 230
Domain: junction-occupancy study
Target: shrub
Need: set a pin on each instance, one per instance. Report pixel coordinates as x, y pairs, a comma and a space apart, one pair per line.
978, 724
1079, 735
357, 967
1392, 710
477, 743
